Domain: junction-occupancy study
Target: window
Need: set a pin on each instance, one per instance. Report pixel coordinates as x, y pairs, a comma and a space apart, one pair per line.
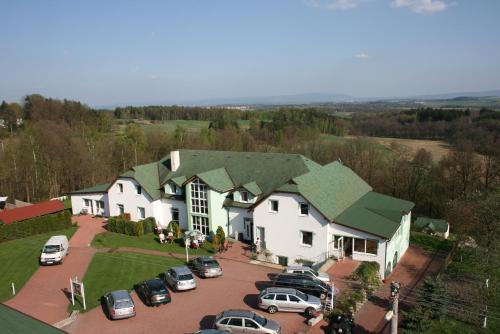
372, 246
100, 204
366, 246
281, 298
235, 322
251, 324
121, 209
224, 321
269, 297
304, 209
244, 196
283, 261
171, 188
273, 206
336, 241
199, 203
141, 213
306, 238
293, 299
359, 245
86, 202
120, 188
175, 214
201, 224
138, 189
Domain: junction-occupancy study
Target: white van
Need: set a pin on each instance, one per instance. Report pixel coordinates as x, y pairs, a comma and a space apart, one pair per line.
54, 250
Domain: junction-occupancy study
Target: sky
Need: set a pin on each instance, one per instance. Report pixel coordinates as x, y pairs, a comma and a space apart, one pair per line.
145, 52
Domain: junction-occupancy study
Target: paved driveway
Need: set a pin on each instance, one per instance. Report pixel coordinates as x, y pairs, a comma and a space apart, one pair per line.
192, 310
43, 296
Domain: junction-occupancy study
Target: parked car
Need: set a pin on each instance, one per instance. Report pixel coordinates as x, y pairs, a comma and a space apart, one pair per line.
304, 283
54, 250
212, 331
242, 321
205, 266
119, 304
308, 271
288, 300
180, 278
154, 292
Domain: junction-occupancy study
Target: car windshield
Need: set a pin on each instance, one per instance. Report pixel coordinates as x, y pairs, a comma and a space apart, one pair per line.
315, 273
125, 303
302, 295
260, 320
185, 277
49, 249
158, 289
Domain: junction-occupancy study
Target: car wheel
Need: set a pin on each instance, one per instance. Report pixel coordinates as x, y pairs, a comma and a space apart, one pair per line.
322, 295
272, 309
309, 312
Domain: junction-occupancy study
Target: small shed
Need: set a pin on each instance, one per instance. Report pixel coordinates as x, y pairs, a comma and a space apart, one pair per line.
433, 226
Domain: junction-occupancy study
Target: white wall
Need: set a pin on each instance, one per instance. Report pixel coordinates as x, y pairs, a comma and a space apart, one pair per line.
163, 214
340, 230
282, 229
129, 198
236, 217
78, 203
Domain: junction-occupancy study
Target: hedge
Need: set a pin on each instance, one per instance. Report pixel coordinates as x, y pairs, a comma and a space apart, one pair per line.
38, 225
122, 225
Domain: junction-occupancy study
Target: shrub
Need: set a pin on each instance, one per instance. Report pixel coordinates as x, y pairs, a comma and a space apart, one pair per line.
149, 225
123, 226
220, 234
368, 274
38, 225
173, 227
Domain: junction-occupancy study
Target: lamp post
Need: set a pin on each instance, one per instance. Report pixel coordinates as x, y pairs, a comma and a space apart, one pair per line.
186, 243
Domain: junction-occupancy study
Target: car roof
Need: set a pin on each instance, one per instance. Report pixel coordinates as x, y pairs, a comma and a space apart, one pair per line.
155, 283
56, 239
120, 294
205, 258
238, 313
280, 290
182, 270
294, 275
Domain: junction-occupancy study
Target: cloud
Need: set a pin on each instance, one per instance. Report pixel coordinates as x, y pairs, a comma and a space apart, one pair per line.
362, 56
334, 4
421, 6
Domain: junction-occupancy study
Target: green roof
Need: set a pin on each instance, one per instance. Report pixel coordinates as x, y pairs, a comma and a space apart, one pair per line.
332, 188
100, 188
253, 187
376, 214
267, 171
14, 322
231, 203
217, 179
435, 225
147, 176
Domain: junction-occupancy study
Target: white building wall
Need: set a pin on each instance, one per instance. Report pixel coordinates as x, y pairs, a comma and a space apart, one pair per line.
236, 218
282, 229
346, 232
129, 198
78, 203
163, 214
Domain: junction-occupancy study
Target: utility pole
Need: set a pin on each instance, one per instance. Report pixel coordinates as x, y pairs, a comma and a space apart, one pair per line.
395, 286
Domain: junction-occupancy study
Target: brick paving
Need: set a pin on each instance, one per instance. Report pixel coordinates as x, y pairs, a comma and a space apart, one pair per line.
43, 296
189, 311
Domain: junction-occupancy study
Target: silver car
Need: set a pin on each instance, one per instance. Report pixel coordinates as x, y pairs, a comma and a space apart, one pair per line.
288, 300
242, 321
308, 271
119, 304
180, 278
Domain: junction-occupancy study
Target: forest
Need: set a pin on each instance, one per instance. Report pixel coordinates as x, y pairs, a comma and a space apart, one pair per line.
64, 145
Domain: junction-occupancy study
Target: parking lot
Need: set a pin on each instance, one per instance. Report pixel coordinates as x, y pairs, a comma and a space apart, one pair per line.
192, 310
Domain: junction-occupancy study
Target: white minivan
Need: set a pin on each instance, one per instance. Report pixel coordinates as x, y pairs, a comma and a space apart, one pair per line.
54, 250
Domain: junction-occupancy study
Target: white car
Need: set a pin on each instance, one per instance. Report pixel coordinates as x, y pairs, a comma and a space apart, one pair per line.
54, 250
308, 271
180, 278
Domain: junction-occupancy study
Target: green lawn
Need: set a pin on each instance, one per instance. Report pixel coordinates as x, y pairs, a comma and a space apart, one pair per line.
450, 326
19, 260
431, 243
147, 241
121, 271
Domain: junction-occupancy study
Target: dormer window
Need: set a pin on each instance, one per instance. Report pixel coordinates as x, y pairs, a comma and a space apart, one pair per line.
244, 196
120, 188
172, 188
138, 189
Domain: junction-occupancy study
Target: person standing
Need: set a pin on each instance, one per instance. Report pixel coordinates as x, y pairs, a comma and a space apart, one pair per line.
257, 245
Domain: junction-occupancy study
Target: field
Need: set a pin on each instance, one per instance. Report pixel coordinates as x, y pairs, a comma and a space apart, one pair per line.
19, 259
121, 271
437, 148
170, 126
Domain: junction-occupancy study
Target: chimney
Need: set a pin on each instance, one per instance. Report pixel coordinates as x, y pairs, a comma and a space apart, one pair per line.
175, 160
